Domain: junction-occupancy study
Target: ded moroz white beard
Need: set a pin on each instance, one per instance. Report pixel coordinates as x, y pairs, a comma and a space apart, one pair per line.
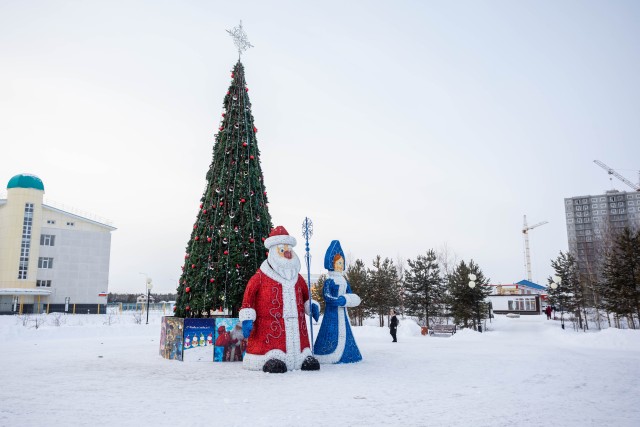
286, 268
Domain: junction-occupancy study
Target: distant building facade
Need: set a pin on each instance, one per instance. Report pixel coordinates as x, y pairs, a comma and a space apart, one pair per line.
50, 259
593, 221
524, 297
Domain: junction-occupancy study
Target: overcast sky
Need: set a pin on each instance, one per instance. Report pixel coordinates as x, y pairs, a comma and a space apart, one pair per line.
395, 126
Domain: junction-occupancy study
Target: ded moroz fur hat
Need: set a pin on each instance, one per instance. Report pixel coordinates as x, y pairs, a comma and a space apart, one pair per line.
279, 236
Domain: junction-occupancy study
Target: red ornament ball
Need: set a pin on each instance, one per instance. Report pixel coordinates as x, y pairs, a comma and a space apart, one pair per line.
242, 200
200, 205
186, 256
209, 239
255, 129
251, 157
221, 203
187, 289
211, 280
251, 240
193, 266
187, 308
263, 239
226, 252
174, 308
197, 238
244, 144
246, 89
204, 211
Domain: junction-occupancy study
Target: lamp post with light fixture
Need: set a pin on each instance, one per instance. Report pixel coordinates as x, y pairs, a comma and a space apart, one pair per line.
149, 287
472, 284
556, 281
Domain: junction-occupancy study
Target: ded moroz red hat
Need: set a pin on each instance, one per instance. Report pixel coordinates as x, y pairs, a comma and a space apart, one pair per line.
279, 236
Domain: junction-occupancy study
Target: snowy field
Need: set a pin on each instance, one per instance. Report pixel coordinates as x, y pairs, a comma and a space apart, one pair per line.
522, 372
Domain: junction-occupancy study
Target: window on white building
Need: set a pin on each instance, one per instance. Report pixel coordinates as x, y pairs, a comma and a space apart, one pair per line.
44, 262
47, 240
25, 244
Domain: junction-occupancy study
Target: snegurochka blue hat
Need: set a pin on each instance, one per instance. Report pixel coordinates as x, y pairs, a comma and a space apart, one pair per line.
333, 250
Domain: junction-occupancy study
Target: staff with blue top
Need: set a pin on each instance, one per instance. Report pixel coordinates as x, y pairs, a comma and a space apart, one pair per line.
307, 232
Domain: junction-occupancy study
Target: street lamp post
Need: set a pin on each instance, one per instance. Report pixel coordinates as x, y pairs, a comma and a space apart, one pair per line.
554, 285
149, 287
472, 284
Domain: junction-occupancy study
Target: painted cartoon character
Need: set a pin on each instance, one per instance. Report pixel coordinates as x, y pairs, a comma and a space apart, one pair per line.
224, 341
237, 338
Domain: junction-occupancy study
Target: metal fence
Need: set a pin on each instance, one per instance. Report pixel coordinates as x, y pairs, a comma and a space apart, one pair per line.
119, 307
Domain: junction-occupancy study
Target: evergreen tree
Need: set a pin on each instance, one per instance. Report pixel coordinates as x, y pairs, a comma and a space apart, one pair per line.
468, 303
383, 282
424, 287
620, 288
570, 295
316, 292
226, 244
356, 275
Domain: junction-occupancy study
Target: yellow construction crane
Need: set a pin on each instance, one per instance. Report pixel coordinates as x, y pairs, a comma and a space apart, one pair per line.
525, 234
617, 175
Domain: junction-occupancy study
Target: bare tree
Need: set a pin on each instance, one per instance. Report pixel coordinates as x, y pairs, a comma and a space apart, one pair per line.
447, 258
57, 319
400, 271
137, 317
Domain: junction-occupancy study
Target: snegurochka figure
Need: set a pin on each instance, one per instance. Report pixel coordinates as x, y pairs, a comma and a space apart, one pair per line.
335, 342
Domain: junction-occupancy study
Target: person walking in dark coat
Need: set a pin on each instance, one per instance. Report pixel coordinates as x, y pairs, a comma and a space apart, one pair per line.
393, 325
548, 312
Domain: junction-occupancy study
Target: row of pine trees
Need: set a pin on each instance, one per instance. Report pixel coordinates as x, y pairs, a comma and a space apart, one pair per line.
428, 289
612, 296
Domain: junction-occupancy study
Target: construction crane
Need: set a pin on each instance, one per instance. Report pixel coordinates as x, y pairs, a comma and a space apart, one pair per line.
525, 234
617, 175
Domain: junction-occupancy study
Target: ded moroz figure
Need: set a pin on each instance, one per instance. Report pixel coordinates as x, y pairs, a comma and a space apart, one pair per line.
273, 311
335, 342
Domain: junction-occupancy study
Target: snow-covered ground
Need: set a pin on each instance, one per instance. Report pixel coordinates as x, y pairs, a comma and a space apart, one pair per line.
522, 372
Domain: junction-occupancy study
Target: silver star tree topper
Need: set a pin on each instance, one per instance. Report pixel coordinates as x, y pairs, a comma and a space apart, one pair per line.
240, 39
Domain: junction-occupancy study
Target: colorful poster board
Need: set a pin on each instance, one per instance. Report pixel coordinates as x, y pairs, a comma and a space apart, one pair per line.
198, 340
171, 334
230, 344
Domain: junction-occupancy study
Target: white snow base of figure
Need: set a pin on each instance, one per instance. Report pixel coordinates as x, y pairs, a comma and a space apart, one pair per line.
273, 311
335, 342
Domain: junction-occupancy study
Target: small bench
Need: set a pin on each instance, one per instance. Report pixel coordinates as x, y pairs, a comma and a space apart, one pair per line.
442, 329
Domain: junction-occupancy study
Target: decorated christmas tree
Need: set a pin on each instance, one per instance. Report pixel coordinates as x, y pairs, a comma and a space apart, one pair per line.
226, 245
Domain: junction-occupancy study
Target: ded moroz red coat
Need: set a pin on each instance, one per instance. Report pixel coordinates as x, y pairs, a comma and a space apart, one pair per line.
277, 306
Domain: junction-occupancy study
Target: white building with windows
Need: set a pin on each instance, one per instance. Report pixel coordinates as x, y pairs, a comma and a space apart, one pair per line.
524, 297
50, 259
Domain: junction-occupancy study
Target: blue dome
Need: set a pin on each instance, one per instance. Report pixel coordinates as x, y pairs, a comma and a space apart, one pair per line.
25, 180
